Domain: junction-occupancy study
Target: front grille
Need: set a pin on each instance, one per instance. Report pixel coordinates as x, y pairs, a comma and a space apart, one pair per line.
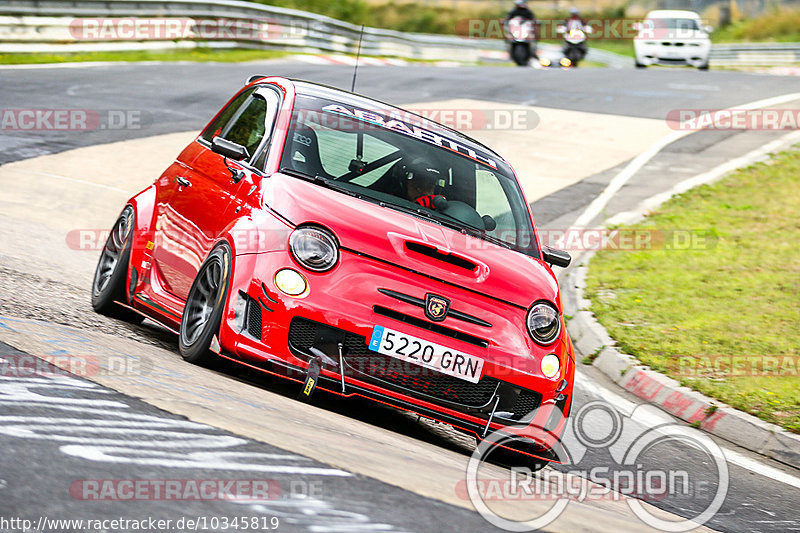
424, 324
304, 333
254, 318
420, 302
422, 380
527, 401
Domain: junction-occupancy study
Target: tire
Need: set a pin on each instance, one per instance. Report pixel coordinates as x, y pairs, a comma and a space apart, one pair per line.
520, 54
703, 67
111, 274
574, 56
202, 313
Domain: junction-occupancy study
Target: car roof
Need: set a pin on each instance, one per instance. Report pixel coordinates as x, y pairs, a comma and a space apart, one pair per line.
324, 91
672, 13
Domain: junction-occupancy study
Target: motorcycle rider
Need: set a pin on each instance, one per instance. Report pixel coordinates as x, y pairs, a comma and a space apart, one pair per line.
522, 11
575, 22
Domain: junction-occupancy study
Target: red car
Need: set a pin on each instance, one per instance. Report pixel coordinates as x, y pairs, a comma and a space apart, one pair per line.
347, 244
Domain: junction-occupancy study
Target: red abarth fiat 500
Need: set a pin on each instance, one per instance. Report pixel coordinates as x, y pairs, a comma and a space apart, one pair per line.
356, 247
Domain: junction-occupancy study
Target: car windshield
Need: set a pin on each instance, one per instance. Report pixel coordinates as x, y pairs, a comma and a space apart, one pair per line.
403, 162
674, 23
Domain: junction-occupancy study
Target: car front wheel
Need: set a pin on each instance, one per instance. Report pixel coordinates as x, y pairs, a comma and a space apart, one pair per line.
204, 305
111, 274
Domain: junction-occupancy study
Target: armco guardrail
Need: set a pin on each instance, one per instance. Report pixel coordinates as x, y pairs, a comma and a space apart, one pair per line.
50, 26
43, 25
755, 54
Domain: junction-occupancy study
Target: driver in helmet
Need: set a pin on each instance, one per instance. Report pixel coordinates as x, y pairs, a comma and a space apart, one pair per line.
420, 179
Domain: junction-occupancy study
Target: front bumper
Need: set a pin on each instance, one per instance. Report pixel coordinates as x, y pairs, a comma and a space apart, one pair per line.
692, 54
273, 332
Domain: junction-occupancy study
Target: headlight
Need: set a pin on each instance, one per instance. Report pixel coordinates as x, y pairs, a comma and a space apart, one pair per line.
544, 324
291, 282
550, 365
314, 248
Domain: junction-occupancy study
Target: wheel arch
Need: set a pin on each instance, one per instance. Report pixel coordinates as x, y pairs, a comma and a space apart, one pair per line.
247, 237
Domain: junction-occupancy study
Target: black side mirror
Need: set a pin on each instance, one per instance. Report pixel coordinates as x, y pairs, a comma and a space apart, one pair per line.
552, 257
229, 149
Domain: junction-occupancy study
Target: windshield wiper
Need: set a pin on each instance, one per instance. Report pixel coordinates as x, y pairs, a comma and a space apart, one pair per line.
451, 223
319, 180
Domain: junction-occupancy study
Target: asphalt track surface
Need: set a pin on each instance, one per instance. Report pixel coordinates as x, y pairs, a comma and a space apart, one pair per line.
182, 97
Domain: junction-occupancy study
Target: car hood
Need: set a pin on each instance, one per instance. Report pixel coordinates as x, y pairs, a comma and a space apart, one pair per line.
413, 243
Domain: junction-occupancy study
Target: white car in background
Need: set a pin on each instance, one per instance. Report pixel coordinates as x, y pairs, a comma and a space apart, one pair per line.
671, 37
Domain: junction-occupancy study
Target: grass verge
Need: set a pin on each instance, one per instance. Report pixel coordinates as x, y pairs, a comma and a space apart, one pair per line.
191, 54
687, 310
776, 25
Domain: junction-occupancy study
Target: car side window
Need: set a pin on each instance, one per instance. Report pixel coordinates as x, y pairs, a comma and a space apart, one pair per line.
272, 103
251, 126
491, 199
248, 126
219, 123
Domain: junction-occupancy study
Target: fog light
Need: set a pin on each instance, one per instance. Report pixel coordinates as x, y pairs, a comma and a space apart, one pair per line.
291, 282
550, 365
565, 62
544, 62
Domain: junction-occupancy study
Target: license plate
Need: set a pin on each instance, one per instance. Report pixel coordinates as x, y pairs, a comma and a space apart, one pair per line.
426, 354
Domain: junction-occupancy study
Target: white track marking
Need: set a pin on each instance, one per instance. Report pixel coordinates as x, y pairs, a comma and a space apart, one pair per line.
82, 64
599, 203
626, 407
618, 402
715, 173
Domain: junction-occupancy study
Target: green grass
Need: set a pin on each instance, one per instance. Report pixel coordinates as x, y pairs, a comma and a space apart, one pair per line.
400, 16
623, 47
735, 294
778, 25
193, 54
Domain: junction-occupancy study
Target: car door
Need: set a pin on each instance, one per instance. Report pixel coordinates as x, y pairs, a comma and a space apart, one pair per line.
199, 209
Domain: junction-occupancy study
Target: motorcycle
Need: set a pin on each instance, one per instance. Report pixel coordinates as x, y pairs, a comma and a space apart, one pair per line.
575, 48
521, 36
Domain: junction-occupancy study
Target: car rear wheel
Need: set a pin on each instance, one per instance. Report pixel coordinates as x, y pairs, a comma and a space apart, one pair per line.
204, 305
111, 274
